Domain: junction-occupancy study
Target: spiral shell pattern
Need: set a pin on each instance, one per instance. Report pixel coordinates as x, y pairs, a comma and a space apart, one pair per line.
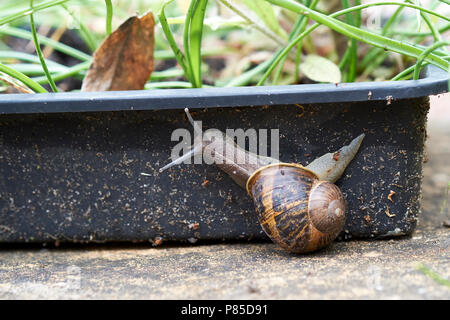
295, 209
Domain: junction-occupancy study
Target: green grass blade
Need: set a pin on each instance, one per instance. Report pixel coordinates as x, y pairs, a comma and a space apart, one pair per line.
361, 35
181, 59
407, 73
245, 78
254, 23
424, 55
350, 75
433, 275
440, 53
316, 25
25, 12
70, 72
26, 57
168, 54
37, 46
36, 87
195, 33
20, 33
78, 70
186, 44
31, 69
382, 56
169, 84
420, 34
298, 28
434, 31
168, 73
374, 51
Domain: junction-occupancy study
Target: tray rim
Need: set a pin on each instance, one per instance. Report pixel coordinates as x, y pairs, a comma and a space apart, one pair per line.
435, 81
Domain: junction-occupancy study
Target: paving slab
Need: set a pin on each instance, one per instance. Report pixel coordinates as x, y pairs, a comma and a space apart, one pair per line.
347, 270
375, 269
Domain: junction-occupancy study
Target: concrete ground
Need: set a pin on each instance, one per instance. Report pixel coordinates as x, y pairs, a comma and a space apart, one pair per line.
387, 269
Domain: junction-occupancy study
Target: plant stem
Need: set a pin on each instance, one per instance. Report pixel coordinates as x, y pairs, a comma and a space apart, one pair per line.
87, 36
109, 14
434, 31
421, 34
193, 39
298, 58
374, 51
28, 11
424, 54
299, 27
371, 67
181, 59
405, 72
39, 52
247, 76
351, 74
255, 24
186, 44
71, 71
36, 87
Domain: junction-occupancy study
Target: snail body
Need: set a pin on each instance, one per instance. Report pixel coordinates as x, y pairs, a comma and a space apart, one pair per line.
299, 208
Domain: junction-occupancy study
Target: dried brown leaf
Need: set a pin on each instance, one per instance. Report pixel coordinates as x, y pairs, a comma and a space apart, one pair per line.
124, 61
16, 84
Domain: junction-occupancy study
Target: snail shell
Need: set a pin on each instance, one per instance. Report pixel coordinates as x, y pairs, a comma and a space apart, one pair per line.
295, 209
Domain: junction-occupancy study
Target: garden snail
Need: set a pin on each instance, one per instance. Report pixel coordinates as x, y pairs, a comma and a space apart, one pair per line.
299, 208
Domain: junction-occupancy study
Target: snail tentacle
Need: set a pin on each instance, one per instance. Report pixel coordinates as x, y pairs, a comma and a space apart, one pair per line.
331, 166
221, 150
184, 157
